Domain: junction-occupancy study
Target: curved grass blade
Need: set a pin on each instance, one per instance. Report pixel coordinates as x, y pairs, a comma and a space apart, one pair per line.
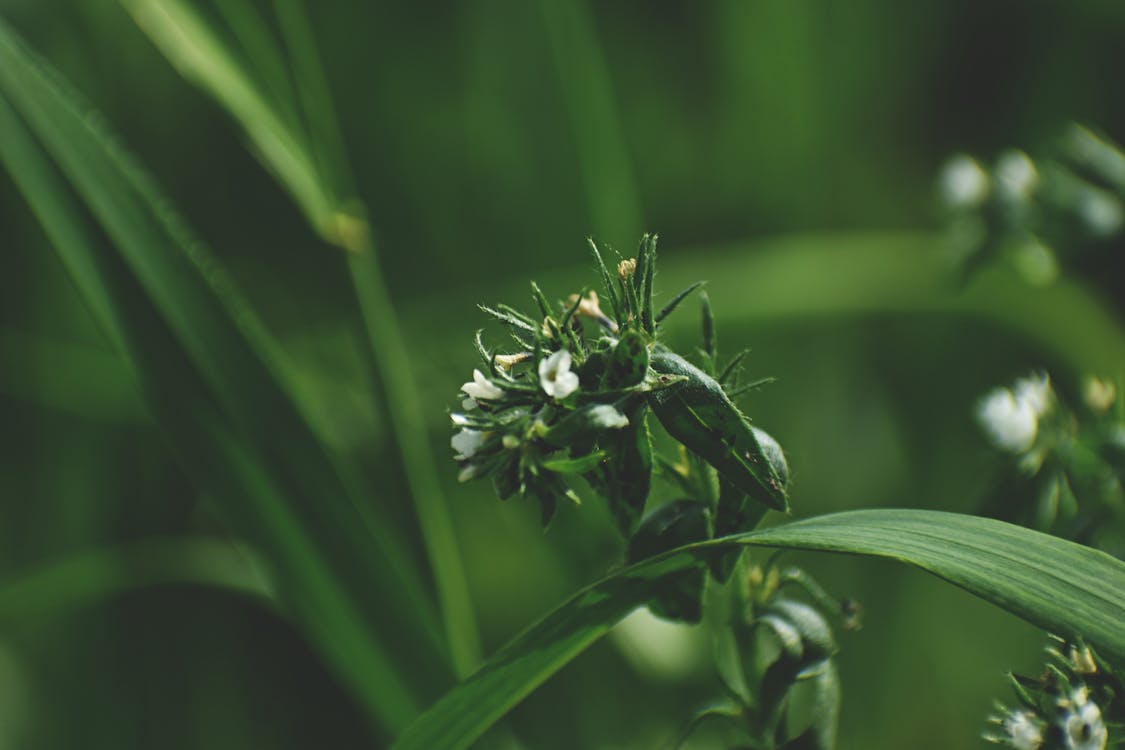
72, 582
306, 153
211, 378
1058, 585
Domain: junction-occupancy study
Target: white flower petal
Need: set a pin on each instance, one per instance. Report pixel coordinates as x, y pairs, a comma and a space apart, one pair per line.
1023, 733
1085, 729
1035, 391
1016, 174
459, 420
963, 183
481, 388
467, 442
555, 376
1011, 423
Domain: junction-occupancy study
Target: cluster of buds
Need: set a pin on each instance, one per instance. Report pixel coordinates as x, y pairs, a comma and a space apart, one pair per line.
574, 398
1071, 460
775, 649
1024, 210
1076, 704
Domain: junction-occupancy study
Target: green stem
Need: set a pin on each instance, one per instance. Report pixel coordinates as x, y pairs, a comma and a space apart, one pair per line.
408, 424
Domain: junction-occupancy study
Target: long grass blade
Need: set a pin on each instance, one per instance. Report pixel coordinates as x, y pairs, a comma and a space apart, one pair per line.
1061, 586
212, 380
320, 183
66, 585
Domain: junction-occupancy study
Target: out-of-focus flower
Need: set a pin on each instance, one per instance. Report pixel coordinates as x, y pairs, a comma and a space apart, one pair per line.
1016, 175
963, 183
1036, 391
555, 376
1100, 394
1010, 422
467, 442
1011, 417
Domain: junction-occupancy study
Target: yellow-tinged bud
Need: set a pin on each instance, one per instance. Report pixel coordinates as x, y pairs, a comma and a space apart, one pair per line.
1100, 394
626, 268
508, 361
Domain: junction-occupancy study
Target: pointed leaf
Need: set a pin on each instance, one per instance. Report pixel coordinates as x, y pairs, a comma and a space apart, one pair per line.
1061, 586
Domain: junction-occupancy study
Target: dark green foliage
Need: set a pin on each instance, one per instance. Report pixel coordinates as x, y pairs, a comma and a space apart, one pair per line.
673, 525
701, 416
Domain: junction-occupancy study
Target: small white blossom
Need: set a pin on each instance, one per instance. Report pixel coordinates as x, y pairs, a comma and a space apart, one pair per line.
608, 417
1016, 174
963, 184
467, 442
481, 389
1022, 732
467, 473
459, 420
1100, 394
1102, 213
1083, 727
555, 376
1036, 391
1011, 423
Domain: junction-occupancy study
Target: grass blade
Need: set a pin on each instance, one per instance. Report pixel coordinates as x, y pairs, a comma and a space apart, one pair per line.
70, 583
212, 380
1061, 586
320, 183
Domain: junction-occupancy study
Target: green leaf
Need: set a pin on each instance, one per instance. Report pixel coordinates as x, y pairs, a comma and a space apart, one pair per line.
626, 477
699, 415
200, 55
1060, 586
675, 301
579, 465
215, 383
673, 525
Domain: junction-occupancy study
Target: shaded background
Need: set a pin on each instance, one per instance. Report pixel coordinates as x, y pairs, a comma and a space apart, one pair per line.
755, 137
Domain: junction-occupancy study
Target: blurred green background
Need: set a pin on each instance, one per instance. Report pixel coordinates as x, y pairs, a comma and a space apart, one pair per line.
784, 150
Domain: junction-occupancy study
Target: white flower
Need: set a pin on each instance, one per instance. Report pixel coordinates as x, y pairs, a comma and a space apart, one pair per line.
555, 376
1102, 213
608, 417
1016, 174
963, 184
458, 420
1036, 391
1084, 728
1100, 394
1022, 731
481, 389
467, 442
1011, 422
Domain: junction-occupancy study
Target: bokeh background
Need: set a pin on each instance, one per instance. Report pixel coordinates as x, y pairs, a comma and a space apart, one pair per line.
784, 150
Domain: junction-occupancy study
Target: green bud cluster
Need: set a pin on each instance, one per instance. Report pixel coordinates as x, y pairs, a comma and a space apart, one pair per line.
774, 647
573, 400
